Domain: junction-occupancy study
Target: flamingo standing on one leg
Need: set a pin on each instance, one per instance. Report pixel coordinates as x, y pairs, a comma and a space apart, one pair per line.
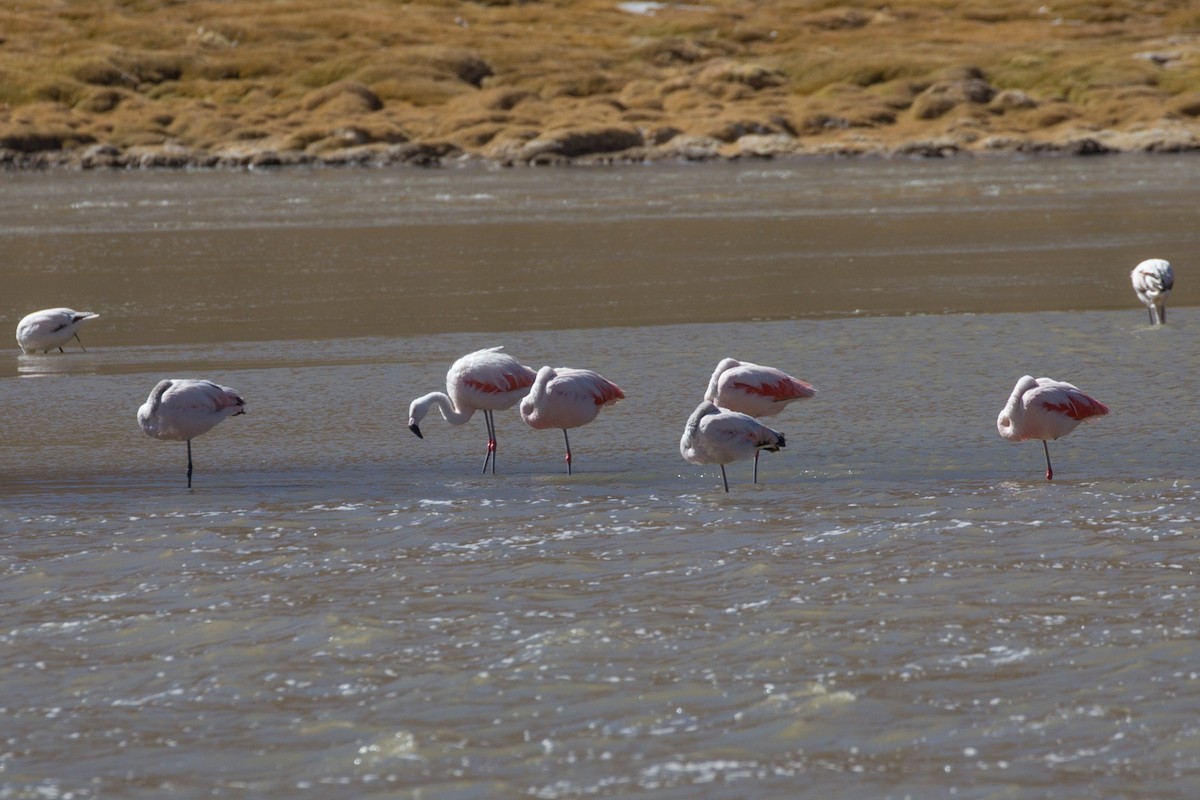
755, 390
1153, 280
567, 398
1043, 408
487, 381
713, 436
50, 328
183, 409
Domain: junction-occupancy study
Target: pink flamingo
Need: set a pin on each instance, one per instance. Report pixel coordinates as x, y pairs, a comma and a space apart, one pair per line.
487, 381
183, 409
50, 328
1043, 408
755, 390
1153, 280
567, 398
714, 436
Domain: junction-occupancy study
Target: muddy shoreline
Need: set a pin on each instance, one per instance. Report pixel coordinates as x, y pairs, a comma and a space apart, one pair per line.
688, 149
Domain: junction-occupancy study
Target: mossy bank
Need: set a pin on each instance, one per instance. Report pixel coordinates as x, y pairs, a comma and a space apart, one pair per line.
161, 83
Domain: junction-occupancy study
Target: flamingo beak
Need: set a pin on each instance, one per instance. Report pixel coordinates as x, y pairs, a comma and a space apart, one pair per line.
416, 430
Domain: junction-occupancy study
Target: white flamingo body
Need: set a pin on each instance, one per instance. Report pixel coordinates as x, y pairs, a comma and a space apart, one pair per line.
716, 436
182, 409
486, 380
51, 328
755, 390
1153, 280
1043, 408
567, 398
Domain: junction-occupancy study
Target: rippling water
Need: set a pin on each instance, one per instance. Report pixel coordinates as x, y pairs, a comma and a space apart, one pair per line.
902, 607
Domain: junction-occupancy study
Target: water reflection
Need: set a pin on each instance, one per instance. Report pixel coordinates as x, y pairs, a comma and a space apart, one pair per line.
903, 606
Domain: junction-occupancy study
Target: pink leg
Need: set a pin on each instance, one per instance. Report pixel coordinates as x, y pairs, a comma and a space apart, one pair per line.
491, 445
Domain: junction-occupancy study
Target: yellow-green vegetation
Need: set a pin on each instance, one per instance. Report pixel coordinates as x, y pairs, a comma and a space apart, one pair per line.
170, 83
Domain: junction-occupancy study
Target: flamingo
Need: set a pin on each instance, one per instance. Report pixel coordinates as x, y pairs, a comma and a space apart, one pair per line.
184, 408
567, 398
714, 436
755, 390
50, 328
1043, 408
1153, 280
486, 380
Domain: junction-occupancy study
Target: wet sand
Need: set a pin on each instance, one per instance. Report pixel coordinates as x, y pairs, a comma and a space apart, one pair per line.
191, 258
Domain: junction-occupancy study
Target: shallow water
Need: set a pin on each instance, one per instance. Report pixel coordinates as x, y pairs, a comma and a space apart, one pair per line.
902, 606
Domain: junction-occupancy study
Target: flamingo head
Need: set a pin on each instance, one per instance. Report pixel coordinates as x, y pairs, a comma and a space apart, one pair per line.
415, 429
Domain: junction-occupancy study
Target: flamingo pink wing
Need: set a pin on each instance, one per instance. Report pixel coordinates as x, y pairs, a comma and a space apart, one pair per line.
781, 387
503, 383
1076, 405
606, 392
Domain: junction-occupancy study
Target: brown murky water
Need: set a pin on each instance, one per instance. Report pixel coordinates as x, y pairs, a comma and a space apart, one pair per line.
902, 607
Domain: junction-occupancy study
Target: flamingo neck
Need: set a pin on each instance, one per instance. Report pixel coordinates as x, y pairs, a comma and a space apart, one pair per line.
544, 376
421, 406
714, 382
702, 411
1009, 421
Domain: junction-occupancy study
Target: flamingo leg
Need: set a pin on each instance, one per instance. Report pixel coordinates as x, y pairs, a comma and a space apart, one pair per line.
189, 443
1153, 319
756, 452
1049, 469
724, 480
1162, 314
81, 347
568, 441
491, 445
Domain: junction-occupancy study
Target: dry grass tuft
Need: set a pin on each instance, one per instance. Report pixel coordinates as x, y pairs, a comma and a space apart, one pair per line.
546, 79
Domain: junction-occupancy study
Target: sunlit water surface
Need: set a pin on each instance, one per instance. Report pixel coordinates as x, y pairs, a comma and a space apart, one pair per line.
902, 607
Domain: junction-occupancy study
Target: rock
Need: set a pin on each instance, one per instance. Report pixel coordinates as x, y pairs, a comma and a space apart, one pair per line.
344, 97
753, 76
573, 142
1012, 100
943, 96
690, 148
765, 146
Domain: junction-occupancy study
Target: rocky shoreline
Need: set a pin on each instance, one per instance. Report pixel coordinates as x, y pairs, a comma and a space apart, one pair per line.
565, 151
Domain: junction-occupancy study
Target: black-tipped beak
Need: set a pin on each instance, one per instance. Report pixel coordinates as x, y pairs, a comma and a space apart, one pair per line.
416, 430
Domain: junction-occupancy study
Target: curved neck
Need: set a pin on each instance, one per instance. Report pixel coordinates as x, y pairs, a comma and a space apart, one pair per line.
544, 376
156, 396
714, 382
702, 411
421, 406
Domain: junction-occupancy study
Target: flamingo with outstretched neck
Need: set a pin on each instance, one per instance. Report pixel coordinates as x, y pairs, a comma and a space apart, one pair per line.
755, 390
715, 436
1043, 408
182, 409
567, 398
486, 380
